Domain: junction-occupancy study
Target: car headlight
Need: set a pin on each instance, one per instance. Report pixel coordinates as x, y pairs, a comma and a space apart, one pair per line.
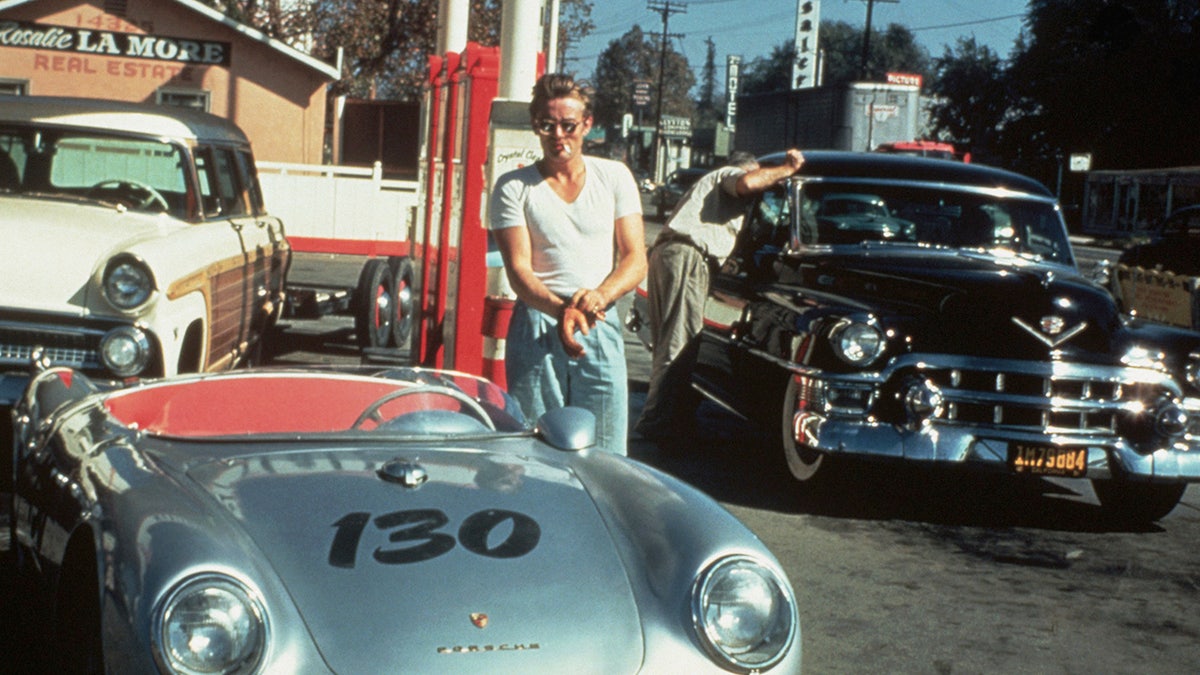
127, 282
125, 350
1192, 370
857, 343
744, 613
211, 624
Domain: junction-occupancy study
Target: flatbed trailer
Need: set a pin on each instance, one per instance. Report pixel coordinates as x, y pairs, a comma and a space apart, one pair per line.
353, 249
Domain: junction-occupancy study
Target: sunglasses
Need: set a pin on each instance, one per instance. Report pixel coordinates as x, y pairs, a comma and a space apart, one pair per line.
547, 127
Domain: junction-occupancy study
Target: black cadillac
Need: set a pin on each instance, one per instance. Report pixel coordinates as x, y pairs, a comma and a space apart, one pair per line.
946, 323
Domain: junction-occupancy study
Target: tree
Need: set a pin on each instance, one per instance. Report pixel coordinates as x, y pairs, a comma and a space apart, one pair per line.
892, 50
707, 112
773, 73
633, 57
1118, 79
971, 98
385, 44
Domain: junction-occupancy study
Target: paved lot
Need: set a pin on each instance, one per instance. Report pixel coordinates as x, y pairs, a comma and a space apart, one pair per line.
916, 571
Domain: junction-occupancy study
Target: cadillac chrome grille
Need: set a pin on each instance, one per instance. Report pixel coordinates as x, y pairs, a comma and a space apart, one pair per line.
1050, 401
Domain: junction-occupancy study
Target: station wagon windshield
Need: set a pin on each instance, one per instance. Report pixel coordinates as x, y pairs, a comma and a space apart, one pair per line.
139, 174
854, 212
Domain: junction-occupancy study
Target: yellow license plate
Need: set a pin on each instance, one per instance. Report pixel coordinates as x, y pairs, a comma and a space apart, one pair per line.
1044, 460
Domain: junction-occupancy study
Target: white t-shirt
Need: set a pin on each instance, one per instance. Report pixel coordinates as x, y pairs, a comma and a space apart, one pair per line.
711, 212
572, 243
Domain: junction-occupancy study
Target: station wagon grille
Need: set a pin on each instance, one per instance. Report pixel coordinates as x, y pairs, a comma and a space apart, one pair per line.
76, 349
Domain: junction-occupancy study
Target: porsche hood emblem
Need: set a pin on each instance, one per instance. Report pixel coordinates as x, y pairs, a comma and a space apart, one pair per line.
1052, 331
479, 619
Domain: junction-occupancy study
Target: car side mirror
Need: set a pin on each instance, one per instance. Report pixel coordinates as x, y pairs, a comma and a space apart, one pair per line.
568, 428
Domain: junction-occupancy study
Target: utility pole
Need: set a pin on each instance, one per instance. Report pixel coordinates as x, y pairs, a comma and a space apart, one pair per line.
666, 9
866, 50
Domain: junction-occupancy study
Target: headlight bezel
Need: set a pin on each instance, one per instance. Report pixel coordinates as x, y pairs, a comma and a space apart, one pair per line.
138, 340
1192, 370
251, 605
128, 283
858, 342
782, 624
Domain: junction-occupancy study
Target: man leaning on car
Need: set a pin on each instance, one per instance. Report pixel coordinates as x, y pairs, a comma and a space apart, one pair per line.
701, 232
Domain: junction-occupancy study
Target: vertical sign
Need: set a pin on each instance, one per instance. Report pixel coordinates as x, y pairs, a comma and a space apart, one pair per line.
641, 94
804, 65
733, 66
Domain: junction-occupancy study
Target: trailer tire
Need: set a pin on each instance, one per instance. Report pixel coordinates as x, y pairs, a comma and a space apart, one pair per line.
404, 316
373, 305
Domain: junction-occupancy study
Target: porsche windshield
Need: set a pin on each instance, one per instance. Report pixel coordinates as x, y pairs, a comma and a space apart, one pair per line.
141, 174
854, 212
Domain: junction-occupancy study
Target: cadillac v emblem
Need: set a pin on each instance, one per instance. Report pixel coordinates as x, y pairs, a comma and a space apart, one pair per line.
1053, 325
1054, 331
479, 619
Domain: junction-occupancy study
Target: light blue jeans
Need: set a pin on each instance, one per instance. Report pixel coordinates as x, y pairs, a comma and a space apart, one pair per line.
542, 377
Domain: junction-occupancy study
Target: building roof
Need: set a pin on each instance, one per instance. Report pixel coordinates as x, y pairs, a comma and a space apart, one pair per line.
246, 31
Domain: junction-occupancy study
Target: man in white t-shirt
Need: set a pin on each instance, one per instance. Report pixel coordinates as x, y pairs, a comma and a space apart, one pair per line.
699, 236
570, 231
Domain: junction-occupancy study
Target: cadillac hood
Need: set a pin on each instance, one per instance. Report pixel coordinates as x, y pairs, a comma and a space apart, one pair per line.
439, 560
966, 302
56, 246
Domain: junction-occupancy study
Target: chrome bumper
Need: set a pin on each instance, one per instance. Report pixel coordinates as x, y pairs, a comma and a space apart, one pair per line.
1132, 421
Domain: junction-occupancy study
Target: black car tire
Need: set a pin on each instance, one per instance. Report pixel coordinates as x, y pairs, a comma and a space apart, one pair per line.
374, 305
404, 306
809, 466
1137, 502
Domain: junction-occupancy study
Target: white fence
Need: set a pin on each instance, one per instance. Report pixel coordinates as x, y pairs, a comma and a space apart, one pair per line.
339, 202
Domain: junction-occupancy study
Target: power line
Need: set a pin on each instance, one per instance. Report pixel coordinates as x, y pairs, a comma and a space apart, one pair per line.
666, 9
969, 23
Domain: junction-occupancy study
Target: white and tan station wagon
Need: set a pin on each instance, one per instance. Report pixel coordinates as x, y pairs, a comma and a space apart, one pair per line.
135, 239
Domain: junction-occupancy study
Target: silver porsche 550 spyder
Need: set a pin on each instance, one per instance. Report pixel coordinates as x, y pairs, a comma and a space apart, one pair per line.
370, 521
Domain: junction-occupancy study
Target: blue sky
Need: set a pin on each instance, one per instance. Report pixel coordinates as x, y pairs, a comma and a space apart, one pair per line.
753, 28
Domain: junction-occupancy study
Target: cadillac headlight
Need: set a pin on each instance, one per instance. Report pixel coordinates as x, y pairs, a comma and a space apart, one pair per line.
744, 613
125, 351
211, 624
857, 343
127, 282
1192, 370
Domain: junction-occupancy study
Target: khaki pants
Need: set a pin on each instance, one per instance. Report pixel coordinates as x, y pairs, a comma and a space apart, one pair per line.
677, 286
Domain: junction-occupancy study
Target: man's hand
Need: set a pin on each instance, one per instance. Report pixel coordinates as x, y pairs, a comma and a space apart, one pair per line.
580, 313
794, 160
573, 319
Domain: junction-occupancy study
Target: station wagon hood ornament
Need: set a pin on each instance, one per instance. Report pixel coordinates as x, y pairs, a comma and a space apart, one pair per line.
1052, 330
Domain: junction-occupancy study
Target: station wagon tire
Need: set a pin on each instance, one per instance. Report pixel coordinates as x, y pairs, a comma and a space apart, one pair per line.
1137, 502
374, 305
404, 296
807, 465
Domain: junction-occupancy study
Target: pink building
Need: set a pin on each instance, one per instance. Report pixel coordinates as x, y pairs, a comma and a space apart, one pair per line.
174, 52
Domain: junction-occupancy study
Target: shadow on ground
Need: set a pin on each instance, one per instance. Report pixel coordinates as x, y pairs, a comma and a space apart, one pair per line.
729, 460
